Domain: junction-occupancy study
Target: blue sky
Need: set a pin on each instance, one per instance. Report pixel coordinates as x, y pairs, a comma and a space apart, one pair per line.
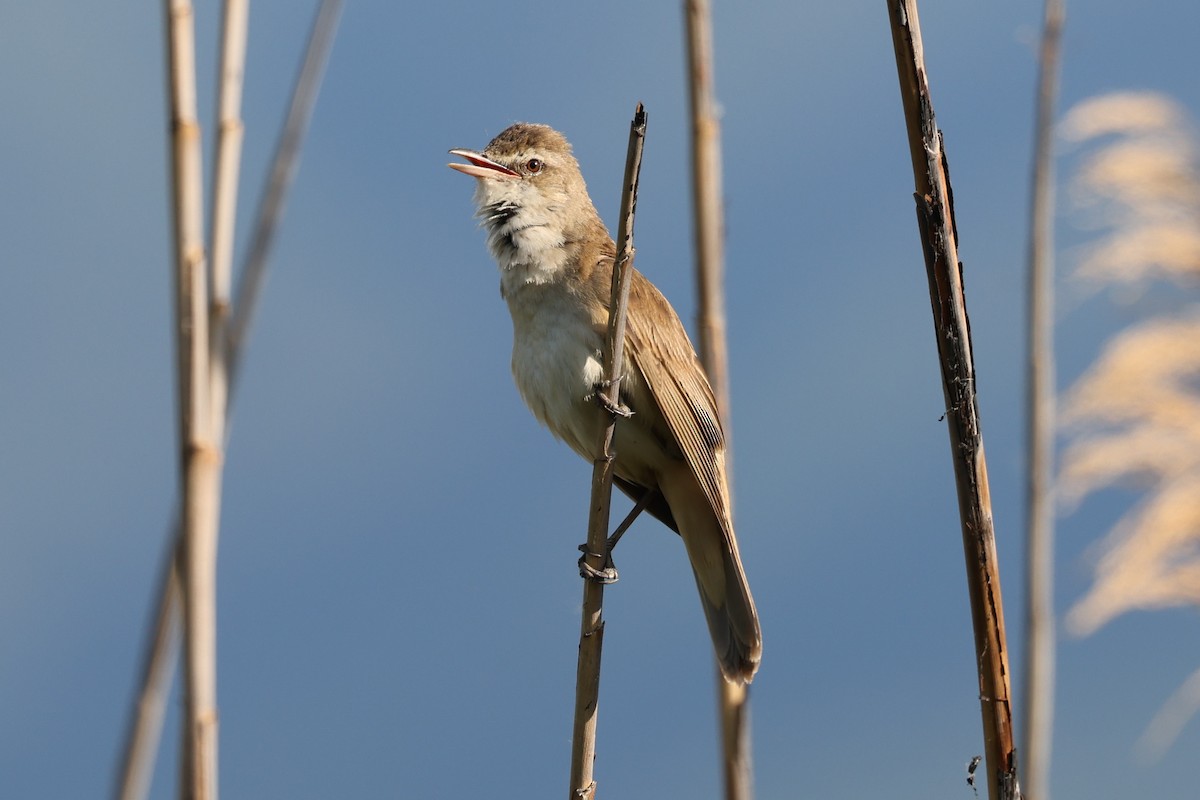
398, 596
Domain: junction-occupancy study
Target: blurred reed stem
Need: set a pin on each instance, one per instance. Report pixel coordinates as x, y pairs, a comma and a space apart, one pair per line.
709, 230
200, 457
1038, 695
145, 725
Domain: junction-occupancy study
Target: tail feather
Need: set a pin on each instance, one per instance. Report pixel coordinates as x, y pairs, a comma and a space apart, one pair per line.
734, 626
724, 591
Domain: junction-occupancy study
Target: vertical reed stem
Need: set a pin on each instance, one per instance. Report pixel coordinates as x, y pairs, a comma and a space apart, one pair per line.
591, 634
158, 662
1038, 707
709, 231
939, 242
200, 457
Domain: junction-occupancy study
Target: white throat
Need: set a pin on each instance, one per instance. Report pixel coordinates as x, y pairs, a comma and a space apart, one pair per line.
524, 235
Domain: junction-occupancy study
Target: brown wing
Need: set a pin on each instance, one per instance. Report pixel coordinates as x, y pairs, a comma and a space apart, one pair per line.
655, 339
681, 407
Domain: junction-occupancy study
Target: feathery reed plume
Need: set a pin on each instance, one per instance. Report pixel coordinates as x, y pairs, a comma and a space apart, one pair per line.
1135, 414
1144, 186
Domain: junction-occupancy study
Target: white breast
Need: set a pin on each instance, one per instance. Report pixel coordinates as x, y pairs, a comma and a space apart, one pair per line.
556, 362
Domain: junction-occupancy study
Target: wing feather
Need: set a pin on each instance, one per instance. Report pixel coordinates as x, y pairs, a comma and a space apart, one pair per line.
660, 349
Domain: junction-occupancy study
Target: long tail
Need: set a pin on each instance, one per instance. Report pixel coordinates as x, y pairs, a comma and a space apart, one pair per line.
724, 591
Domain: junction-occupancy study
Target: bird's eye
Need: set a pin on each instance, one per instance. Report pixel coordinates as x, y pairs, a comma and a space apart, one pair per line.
533, 166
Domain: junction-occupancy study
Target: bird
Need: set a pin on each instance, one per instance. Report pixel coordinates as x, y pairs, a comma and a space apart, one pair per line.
556, 259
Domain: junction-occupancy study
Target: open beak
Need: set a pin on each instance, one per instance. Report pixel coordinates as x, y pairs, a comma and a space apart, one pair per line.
480, 166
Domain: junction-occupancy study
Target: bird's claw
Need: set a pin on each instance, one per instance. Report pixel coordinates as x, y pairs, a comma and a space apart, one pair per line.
604, 576
609, 404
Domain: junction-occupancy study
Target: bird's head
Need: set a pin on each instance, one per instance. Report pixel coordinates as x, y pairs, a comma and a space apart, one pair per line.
528, 178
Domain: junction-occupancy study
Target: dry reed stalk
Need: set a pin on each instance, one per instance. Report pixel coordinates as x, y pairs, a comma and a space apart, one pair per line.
224, 209
158, 668
591, 634
284, 164
708, 216
935, 217
1038, 704
709, 230
200, 454
158, 660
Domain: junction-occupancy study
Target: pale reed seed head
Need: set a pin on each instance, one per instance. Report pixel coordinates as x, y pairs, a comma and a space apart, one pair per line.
1136, 413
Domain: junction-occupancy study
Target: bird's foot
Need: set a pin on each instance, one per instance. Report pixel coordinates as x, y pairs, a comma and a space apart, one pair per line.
606, 575
617, 409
